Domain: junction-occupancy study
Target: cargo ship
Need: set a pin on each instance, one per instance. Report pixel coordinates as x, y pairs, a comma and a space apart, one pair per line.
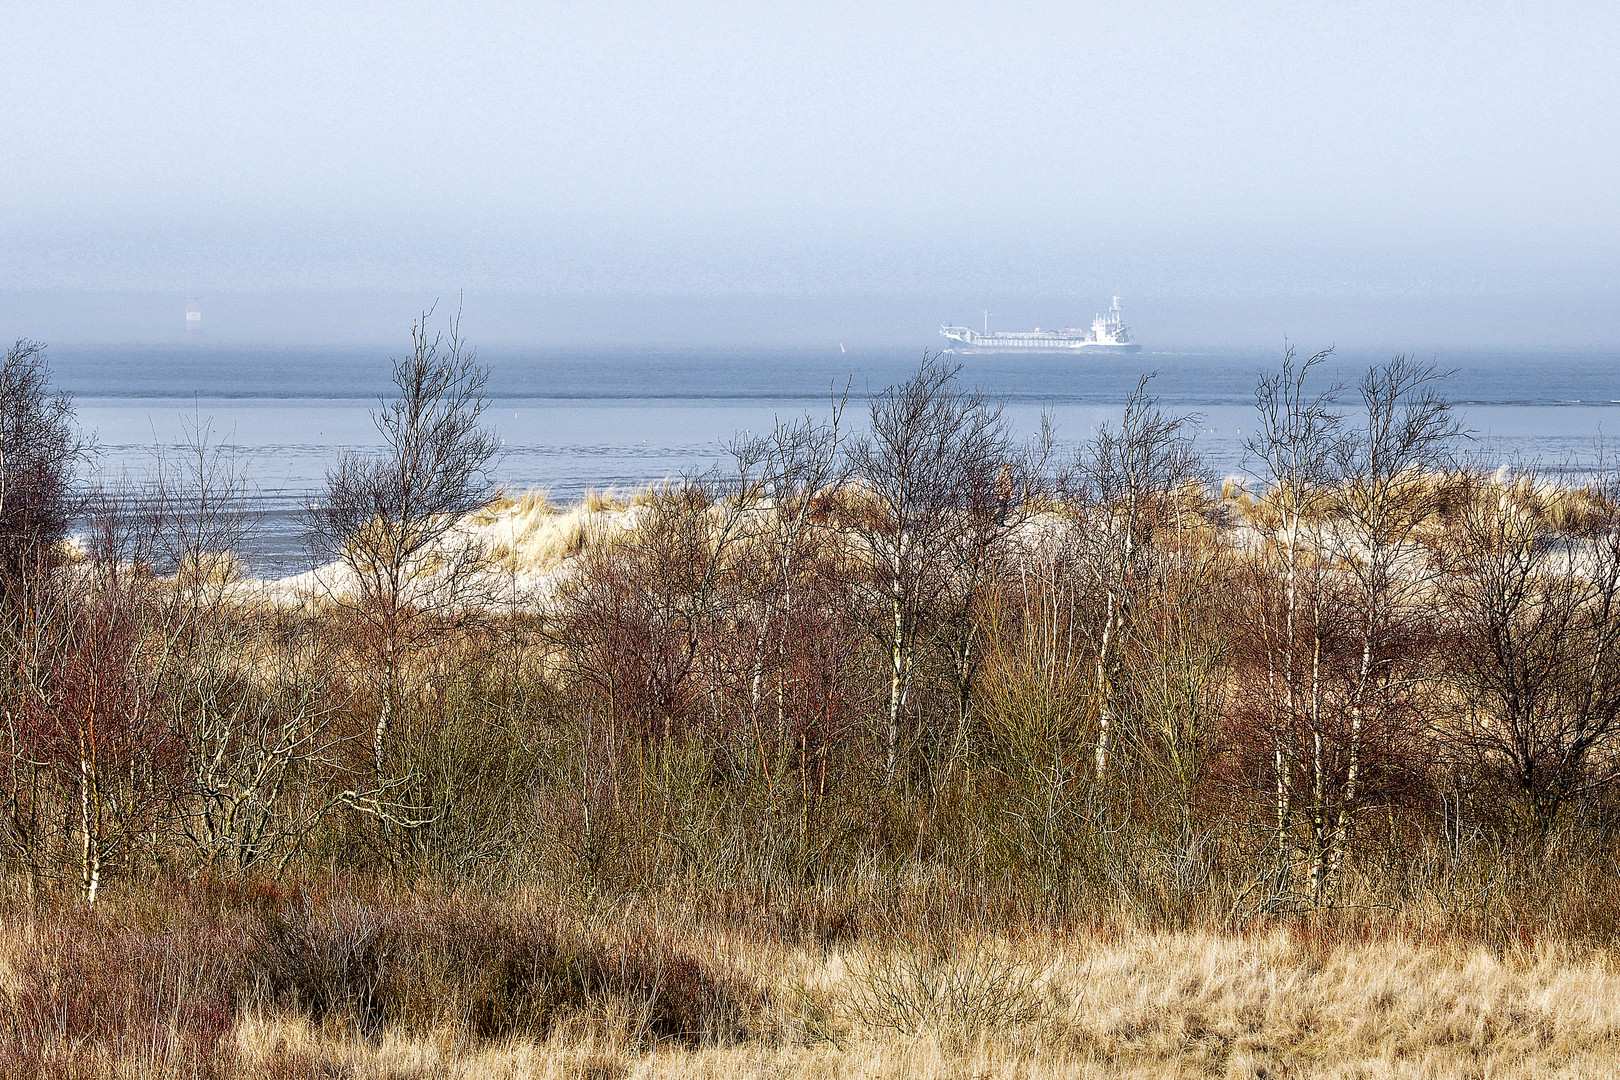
1108, 333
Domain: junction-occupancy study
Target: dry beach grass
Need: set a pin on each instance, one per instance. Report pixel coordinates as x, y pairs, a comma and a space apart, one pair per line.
282, 983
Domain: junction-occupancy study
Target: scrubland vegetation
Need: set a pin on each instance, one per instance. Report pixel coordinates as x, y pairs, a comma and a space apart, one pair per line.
900, 748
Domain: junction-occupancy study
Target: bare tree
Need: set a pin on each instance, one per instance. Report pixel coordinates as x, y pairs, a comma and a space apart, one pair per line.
1180, 632
200, 502
96, 686
1033, 697
256, 719
1343, 596
1128, 482
648, 624
1395, 476
390, 519
983, 552
638, 617
251, 701
39, 456
1298, 448
1538, 662
931, 458
799, 466
92, 649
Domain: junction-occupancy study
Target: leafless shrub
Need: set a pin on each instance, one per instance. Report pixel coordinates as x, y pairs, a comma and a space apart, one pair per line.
957, 991
257, 712
1537, 621
1129, 497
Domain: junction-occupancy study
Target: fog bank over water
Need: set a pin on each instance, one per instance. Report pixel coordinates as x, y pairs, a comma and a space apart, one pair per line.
1380, 173
509, 319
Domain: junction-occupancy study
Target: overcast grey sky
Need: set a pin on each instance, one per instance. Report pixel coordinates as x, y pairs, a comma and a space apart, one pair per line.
1434, 159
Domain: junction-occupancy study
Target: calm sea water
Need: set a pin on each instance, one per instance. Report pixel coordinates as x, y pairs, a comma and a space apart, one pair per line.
573, 420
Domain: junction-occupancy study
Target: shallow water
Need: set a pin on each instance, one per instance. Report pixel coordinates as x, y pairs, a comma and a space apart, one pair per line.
572, 420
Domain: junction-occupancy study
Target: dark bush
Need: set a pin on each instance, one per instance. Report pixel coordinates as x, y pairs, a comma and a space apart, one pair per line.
40, 453
414, 966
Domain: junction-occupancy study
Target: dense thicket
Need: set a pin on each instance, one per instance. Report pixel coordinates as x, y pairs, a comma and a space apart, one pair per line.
850, 664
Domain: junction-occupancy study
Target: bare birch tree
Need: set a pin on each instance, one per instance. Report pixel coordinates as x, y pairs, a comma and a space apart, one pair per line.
390, 520
799, 467
101, 683
40, 455
932, 455
1394, 472
984, 548
1128, 481
1298, 448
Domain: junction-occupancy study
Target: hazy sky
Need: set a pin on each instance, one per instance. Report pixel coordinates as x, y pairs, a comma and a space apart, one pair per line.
1442, 157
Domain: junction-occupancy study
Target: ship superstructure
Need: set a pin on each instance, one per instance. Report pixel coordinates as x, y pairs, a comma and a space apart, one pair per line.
1108, 333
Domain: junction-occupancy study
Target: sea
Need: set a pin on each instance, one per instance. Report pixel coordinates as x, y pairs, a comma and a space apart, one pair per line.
571, 420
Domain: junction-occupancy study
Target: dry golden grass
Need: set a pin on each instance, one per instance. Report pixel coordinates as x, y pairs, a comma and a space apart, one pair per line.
595, 502
1547, 505
1134, 1005
526, 536
1551, 506
210, 568
531, 538
531, 535
531, 503
1116, 1003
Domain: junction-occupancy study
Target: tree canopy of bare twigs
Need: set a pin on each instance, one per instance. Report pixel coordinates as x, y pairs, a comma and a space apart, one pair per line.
40, 452
1126, 483
390, 518
1537, 662
905, 661
928, 468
